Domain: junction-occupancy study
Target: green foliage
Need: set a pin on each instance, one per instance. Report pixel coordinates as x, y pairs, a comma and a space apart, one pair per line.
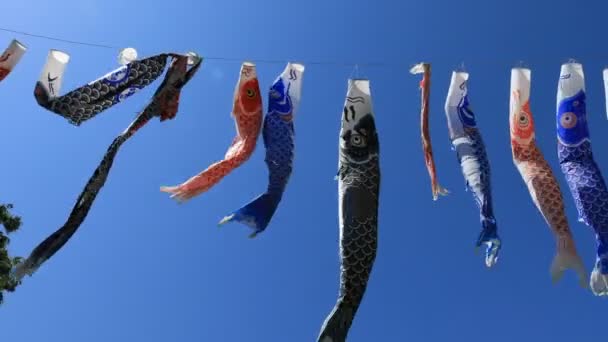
11, 224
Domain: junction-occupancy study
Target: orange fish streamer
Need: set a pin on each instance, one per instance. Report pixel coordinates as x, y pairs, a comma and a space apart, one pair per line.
425, 87
539, 177
247, 112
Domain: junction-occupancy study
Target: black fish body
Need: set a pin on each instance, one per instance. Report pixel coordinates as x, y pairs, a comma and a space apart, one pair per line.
359, 185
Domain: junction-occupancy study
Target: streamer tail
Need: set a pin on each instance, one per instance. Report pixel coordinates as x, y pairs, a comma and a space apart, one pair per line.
489, 237
599, 275
336, 326
565, 260
257, 213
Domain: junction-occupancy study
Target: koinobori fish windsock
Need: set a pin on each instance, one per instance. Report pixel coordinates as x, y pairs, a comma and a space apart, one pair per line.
425, 88
10, 57
358, 191
582, 174
247, 111
605, 76
164, 105
470, 149
279, 135
539, 178
85, 102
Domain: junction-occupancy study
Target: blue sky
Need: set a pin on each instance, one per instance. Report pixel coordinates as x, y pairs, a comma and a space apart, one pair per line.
143, 268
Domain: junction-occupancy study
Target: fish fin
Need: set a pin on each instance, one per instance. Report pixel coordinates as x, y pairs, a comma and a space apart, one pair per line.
490, 238
599, 276
177, 193
417, 69
564, 261
257, 213
225, 220
336, 325
340, 171
438, 190
598, 280
169, 189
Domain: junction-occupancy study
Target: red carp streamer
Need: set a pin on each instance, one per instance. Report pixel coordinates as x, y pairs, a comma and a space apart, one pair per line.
425, 87
247, 111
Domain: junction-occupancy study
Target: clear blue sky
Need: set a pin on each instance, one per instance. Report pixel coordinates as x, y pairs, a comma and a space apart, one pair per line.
143, 268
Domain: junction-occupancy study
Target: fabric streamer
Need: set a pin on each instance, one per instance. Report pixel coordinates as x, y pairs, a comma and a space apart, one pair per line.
247, 112
278, 133
539, 177
425, 87
582, 174
358, 189
605, 76
470, 149
10, 57
164, 105
84, 103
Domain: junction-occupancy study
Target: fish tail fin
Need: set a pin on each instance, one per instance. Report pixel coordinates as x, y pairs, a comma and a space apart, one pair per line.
599, 280
565, 260
169, 189
336, 325
438, 190
178, 193
489, 237
202, 182
599, 275
257, 213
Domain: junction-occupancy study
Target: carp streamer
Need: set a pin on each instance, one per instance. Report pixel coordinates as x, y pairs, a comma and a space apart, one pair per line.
358, 191
471, 152
247, 112
425, 131
539, 178
279, 139
583, 176
164, 105
85, 102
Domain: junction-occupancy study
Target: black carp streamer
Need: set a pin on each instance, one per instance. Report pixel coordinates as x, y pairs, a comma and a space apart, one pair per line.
164, 105
85, 102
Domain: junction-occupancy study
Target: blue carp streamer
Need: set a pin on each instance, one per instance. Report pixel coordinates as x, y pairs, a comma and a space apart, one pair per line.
582, 174
470, 149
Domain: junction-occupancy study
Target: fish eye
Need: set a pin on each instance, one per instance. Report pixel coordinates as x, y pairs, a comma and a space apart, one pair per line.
357, 140
523, 120
568, 120
250, 93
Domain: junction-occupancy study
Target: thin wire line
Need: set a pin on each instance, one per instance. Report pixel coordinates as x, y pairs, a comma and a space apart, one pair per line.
228, 59
282, 61
58, 39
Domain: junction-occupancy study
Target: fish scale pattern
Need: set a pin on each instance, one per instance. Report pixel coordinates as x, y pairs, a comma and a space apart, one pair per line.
475, 167
279, 141
588, 190
359, 185
163, 105
86, 102
545, 191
